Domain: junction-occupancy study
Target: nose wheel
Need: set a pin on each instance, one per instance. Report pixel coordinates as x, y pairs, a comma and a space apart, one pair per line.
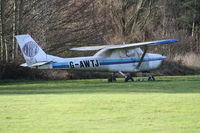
149, 78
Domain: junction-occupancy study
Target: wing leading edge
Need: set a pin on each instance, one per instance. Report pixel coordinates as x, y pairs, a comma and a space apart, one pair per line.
152, 43
90, 48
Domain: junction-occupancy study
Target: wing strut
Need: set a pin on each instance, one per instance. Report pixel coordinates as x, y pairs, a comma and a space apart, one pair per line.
142, 58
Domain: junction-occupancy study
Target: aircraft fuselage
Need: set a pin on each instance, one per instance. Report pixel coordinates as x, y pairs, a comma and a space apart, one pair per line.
97, 63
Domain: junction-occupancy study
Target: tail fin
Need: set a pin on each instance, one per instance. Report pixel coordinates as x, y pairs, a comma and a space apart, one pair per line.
31, 51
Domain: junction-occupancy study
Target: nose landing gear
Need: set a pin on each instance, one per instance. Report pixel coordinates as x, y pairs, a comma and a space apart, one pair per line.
151, 78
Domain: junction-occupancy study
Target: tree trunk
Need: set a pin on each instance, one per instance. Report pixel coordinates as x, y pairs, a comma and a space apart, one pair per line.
21, 8
193, 23
14, 30
6, 50
193, 28
1, 54
18, 23
2, 30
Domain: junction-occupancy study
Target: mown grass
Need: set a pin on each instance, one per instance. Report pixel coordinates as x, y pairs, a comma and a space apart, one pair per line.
170, 104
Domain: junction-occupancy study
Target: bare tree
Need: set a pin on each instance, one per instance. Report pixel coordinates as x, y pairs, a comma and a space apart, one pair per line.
4, 49
127, 19
74, 23
1, 55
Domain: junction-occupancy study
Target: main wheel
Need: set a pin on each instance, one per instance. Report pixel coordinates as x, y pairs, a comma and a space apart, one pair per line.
151, 78
129, 79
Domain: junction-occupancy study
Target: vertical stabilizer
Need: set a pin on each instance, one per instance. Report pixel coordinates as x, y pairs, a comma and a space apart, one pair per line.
31, 51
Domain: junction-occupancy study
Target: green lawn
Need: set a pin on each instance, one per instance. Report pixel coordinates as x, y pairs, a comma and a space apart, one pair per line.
168, 105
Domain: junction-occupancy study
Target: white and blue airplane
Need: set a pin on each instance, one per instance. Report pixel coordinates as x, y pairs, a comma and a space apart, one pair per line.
109, 58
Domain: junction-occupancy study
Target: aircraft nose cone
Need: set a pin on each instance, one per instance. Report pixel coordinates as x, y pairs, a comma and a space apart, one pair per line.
159, 56
163, 57
157, 62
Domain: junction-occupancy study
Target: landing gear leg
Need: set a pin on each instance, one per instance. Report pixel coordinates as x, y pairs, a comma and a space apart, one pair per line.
112, 78
127, 78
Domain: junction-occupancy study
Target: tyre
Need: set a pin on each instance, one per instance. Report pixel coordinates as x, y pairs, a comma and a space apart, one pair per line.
129, 79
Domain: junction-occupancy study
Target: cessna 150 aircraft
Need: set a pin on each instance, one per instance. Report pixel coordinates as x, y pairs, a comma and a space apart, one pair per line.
111, 58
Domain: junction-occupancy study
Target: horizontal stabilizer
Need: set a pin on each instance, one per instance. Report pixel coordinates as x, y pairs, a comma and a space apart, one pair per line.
24, 65
39, 64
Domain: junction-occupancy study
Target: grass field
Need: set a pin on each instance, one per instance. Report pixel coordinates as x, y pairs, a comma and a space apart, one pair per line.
168, 105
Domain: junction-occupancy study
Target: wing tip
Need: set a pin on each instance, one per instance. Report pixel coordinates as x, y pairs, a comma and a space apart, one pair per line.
72, 49
167, 41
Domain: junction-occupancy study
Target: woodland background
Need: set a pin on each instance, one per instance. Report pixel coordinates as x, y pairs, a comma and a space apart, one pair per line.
58, 25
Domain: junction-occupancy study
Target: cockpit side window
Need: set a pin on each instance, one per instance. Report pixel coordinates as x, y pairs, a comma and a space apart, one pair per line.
130, 53
126, 53
122, 53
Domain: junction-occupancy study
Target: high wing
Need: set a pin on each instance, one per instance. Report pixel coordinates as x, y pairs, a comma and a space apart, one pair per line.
134, 45
91, 48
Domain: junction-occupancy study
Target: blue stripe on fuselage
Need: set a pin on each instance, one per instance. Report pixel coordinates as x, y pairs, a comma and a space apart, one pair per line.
125, 61
61, 65
109, 62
